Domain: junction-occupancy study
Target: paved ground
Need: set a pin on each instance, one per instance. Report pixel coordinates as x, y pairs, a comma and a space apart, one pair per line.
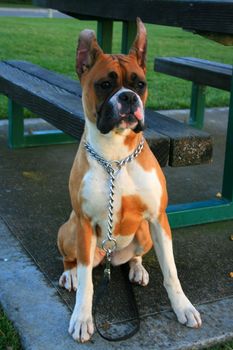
34, 201
30, 12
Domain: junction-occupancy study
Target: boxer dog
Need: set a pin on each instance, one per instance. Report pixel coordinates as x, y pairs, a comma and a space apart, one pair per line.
114, 95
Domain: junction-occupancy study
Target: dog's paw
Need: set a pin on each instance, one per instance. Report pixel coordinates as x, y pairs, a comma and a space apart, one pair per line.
187, 314
68, 279
138, 274
81, 328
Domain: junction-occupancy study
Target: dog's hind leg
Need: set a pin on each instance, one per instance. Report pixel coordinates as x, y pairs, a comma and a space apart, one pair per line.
133, 253
67, 245
137, 272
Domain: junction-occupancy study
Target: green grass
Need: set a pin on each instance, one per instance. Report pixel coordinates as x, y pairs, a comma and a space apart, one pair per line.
6, 4
16, 3
226, 346
9, 339
51, 43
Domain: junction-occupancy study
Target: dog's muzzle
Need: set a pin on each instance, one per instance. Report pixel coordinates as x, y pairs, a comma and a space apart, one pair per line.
123, 110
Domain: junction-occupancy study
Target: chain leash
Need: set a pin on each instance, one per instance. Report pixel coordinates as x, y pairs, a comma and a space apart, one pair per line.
113, 168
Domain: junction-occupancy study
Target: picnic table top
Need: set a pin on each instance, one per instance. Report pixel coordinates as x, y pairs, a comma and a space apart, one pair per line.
197, 15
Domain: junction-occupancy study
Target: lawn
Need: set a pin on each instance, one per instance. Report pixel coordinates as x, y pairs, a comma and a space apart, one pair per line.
51, 43
9, 339
16, 5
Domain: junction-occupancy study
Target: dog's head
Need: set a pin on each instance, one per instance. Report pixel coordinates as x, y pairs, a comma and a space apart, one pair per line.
114, 86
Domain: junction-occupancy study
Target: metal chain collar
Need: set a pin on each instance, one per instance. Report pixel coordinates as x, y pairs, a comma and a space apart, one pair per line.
112, 167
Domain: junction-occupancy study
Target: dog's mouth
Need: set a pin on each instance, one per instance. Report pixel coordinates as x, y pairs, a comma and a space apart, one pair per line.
127, 121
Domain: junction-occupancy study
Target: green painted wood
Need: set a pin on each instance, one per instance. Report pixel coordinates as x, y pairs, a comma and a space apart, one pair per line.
16, 125
200, 215
104, 34
129, 30
17, 138
197, 109
46, 138
227, 187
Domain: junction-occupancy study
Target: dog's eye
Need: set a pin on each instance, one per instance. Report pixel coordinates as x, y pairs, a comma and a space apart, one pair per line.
141, 84
106, 85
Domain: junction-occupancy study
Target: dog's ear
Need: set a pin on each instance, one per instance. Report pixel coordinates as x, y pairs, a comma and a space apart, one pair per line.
87, 51
140, 44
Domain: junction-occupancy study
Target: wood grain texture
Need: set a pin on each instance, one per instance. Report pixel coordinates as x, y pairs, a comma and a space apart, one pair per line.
188, 146
208, 16
58, 101
199, 71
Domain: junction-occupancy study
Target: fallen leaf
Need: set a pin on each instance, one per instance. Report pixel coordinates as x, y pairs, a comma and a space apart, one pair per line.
105, 326
33, 175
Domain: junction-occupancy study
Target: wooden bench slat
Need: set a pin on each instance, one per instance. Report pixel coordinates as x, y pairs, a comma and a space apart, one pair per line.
189, 146
58, 106
209, 65
200, 71
49, 95
51, 77
46, 101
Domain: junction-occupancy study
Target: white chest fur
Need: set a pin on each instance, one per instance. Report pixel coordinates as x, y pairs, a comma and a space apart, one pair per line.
131, 180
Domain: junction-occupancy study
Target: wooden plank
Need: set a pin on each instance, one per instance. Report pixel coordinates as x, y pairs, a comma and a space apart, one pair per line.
63, 109
188, 146
200, 71
159, 144
47, 75
208, 15
57, 105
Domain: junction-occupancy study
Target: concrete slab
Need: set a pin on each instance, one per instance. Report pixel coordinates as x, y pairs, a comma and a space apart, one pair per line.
42, 320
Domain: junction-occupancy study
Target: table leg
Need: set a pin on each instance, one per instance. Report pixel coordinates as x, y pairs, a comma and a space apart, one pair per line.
16, 125
129, 31
17, 138
104, 34
227, 187
197, 108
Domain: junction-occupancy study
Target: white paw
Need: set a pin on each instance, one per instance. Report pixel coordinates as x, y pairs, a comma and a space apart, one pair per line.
68, 279
81, 327
187, 314
138, 274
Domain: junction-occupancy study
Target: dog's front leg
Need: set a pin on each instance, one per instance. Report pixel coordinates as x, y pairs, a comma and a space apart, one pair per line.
161, 236
81, 325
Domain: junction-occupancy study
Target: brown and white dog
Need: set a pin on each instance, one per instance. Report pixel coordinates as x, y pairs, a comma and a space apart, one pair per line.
114, 95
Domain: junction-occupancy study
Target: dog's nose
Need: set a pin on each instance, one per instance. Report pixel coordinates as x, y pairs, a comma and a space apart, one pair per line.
128, 97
